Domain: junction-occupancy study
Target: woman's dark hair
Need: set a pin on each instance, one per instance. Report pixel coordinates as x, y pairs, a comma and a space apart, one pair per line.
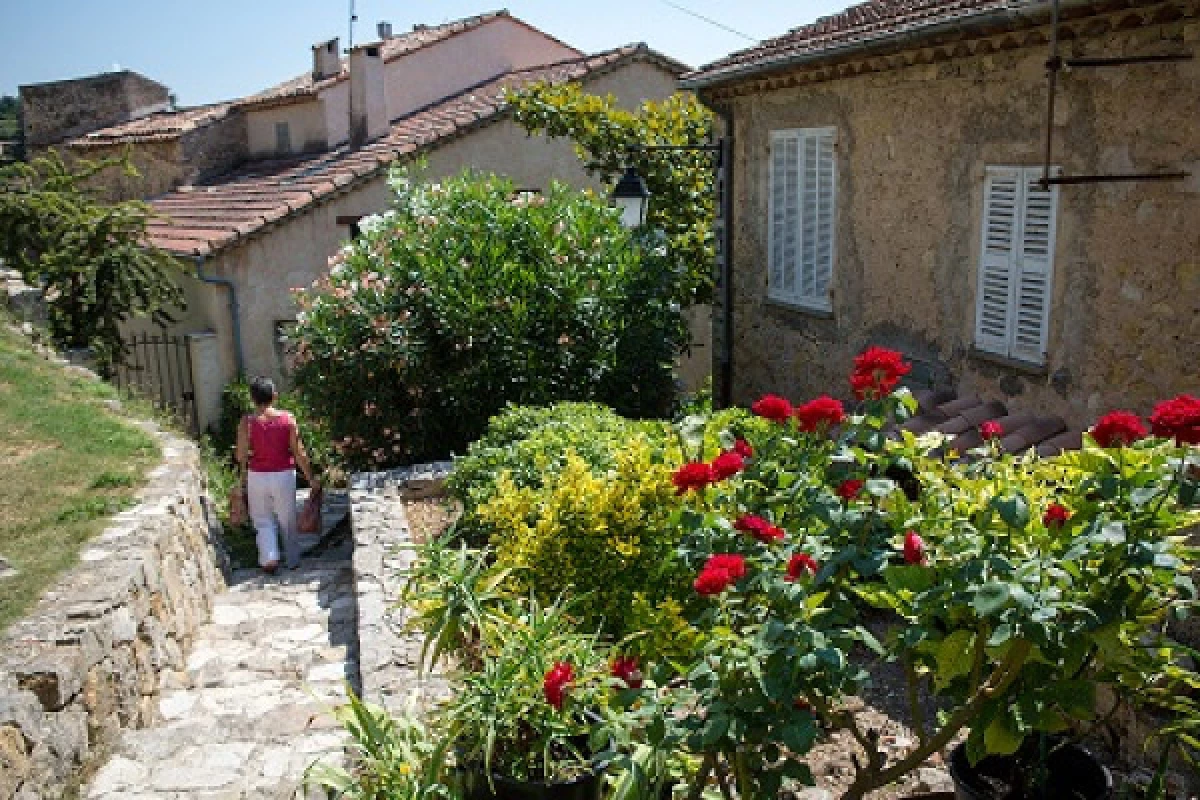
262, 391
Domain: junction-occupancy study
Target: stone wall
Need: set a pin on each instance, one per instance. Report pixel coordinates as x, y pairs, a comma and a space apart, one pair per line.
913, 143
90, 659
389, 653
53, 112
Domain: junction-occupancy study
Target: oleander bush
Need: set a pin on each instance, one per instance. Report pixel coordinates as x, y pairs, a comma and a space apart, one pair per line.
467, 296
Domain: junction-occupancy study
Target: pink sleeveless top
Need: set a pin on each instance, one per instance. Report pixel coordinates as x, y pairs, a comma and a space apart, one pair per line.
270, 443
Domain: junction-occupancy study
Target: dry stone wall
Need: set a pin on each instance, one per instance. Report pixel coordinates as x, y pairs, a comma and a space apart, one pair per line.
91, 658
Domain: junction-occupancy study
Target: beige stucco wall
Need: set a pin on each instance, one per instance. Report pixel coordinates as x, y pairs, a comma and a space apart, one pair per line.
432, 73
912, 148
306, 128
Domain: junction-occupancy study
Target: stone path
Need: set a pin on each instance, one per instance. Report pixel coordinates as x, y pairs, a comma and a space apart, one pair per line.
250, 712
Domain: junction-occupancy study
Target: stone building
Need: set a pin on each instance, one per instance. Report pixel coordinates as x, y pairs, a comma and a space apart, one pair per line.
886, 189
255, 194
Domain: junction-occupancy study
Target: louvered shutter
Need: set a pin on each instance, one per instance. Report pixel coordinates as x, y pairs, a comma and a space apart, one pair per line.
803, 197
785, 214
1012, 303
997, 263
1035, 262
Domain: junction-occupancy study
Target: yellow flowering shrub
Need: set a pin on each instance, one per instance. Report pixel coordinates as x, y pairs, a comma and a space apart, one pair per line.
602, 536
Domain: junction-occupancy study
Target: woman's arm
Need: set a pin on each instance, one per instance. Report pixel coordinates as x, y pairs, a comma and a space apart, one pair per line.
299, 453
242, 453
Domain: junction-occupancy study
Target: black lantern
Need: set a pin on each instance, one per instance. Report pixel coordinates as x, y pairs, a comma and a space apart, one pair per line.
632, 197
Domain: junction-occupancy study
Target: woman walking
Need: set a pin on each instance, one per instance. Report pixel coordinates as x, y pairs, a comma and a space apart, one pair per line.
269, 450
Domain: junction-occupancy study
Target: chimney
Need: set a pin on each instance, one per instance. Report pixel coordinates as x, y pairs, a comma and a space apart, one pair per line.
327, 61
384, 29
368, 101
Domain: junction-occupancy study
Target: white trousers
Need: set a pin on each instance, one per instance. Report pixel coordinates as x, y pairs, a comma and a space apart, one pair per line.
271, 497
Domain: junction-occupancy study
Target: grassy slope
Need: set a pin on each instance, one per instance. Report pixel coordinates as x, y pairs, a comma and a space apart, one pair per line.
66, 463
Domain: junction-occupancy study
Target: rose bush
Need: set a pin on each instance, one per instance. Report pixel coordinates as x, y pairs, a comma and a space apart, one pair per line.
469, 295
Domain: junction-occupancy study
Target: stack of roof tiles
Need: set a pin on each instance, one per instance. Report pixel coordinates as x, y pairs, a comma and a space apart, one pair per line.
960, 418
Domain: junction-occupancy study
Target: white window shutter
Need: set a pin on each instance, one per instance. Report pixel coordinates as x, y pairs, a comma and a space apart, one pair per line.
784, 214
802, 203
1035, 263
997, 262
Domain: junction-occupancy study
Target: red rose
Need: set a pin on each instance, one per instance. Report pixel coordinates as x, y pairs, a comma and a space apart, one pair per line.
692, 475
772, 407
759, 528
731, 563
877, 370
991, 430
849, 489
914, 548
726, 465
1178, 418
625, 668
801, 565
743, 449
823, 412
1118, 428
1056, 515
711, 581
556, 683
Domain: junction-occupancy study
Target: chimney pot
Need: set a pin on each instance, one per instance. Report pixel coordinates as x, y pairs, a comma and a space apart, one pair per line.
327, 61
368, 99
384, 29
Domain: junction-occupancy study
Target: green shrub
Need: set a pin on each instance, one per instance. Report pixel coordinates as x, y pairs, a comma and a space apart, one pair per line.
468, 296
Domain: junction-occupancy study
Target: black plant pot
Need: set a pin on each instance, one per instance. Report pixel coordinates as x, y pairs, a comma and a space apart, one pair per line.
476, 787
1072, 774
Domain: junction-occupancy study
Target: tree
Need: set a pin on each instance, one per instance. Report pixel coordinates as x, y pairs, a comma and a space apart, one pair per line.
90, 256
8, 117
609, 139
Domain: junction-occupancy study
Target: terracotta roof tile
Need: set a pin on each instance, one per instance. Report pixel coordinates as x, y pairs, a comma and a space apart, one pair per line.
200, 220
155, 127
874, 20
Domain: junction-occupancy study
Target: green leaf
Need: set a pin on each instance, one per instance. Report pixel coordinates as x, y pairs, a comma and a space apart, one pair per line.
991, 598
880, 487
954, 657
1014, 510
910, 578
799, 734
1001, 737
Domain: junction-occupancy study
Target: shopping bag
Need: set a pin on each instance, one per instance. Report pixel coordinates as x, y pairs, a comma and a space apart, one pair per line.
310, 516
239, 514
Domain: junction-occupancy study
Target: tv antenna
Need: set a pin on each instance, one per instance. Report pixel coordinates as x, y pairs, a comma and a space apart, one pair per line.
353, 19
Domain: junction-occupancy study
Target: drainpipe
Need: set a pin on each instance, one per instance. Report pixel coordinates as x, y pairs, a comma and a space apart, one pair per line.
725, 390
234, 311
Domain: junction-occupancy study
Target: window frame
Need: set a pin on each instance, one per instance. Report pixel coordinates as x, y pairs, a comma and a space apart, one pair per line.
822, 302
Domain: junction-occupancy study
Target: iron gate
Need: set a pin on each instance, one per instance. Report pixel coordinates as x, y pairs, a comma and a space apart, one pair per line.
160, 368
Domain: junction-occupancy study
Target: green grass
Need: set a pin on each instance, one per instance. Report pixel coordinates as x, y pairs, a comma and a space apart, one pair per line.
67, 463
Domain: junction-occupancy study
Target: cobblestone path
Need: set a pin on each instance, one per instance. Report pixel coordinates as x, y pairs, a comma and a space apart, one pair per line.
250, 712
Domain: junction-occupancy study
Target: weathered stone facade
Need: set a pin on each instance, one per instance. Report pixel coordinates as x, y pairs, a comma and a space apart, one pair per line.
915, 131
54, 112
90, 659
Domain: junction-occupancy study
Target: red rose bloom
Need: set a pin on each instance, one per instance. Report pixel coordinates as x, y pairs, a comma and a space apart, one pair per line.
1056, 515
801, 565
877, 370
823, 412
772, 407
625, 668
710, 582
1118, 428
849, 489
731, 563
759, 528
556, 683
1178, 418
914, 548
692, 475
726, 465
743, 449
991, 430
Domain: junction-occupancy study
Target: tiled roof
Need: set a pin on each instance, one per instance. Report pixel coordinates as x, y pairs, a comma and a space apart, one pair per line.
200, 220
872, 21
155, 127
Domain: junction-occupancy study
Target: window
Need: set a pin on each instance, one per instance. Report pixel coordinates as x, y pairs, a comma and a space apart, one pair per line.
800, 235
1012, 303
283, 139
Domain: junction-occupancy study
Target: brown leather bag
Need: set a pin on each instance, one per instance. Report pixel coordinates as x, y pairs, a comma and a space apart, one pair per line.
310, 516
239, 512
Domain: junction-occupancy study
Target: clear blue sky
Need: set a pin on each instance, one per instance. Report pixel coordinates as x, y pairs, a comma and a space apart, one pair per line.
210, 50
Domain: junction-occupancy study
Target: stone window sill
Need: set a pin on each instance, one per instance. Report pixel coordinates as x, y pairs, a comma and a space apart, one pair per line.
793, 308
1027, 367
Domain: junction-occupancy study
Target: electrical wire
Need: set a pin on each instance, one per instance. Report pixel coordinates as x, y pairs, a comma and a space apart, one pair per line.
709, 20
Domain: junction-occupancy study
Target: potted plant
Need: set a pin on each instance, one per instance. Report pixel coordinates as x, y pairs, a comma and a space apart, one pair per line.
1019, 588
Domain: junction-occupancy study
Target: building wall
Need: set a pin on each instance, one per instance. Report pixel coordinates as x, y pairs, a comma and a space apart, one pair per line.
912, 148
432, 73
306, 128
215, 148
53, 112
